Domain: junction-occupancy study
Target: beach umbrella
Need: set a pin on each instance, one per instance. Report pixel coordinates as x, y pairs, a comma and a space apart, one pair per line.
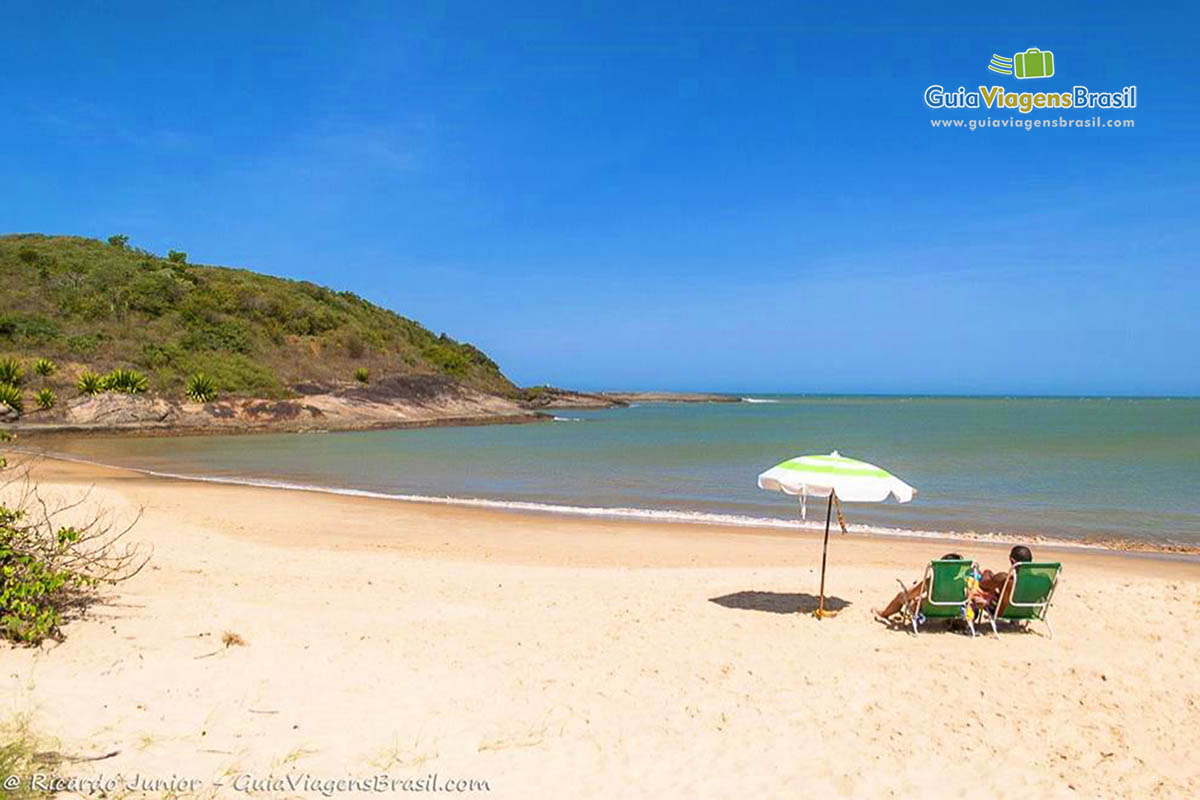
838, 478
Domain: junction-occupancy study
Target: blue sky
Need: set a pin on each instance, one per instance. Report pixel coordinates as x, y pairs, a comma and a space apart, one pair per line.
740, 197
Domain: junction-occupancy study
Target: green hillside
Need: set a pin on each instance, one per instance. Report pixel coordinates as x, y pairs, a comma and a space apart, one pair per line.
93, 305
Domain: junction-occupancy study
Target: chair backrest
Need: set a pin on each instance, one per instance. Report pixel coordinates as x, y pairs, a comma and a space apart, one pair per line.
1032, 586
948, 581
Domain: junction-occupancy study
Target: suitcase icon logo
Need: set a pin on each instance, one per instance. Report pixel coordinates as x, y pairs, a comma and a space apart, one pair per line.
1033, 63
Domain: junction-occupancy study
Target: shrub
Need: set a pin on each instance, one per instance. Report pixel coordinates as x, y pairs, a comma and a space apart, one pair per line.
362, 375
155, 355
31, 327
155, 292
119, 241
11, 396
44, 367
447, 359
177, 256
47, 569
229, 335
46, 399
125, 381
83, 344
234, 373
201, 388
11, 371
90, 383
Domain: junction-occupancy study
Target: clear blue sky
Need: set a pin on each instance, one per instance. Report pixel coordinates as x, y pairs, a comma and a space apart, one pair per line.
742, 197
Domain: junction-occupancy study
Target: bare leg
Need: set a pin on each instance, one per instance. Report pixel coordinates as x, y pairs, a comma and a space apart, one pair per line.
893, 608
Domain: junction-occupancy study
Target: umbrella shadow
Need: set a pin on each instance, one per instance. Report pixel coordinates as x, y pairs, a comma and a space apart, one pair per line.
778, 602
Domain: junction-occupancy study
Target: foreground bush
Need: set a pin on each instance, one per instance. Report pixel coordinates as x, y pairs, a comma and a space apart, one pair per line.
44, 367
46, 399
362, 375
50, 569
201, 388
90, 383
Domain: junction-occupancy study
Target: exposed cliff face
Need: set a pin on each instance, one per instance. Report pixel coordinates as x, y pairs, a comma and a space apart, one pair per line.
402, 403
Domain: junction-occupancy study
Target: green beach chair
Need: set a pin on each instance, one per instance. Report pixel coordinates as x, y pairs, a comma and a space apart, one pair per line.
1026, 594
943, 594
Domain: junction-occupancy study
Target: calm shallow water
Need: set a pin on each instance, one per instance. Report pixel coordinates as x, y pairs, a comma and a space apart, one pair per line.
1078, 468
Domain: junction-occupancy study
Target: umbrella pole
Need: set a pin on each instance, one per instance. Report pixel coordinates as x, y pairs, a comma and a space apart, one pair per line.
824, 553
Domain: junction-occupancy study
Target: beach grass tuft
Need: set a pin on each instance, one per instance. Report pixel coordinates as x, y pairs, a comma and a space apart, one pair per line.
231, 639
19, 751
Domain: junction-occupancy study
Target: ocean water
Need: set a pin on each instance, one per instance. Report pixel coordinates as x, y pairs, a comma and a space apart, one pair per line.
1084, 469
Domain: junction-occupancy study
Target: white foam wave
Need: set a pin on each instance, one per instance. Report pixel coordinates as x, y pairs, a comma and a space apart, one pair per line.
641, 514
758, 400
568, 419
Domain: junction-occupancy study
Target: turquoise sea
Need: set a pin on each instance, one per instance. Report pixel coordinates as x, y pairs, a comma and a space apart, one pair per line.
1087, 469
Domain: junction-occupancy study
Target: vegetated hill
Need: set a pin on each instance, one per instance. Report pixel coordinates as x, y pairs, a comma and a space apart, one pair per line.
94, 305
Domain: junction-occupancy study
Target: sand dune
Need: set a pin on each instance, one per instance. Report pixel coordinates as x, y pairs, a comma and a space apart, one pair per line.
558, 657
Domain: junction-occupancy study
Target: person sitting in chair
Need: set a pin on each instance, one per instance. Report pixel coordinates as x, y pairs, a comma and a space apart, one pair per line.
911, 593
991, 584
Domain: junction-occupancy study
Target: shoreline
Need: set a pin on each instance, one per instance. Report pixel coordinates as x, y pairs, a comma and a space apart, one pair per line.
643, 516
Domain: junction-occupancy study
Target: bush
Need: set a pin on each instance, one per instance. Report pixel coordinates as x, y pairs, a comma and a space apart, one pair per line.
201, 388
48, 569
155, 292
83, 344
228, 335
11, 371
126, 381
11, 396
46, 399
447, 359
234, 373
90, 383
119, 241
31, 327
177, 256
44, 367
155, 356
362, 375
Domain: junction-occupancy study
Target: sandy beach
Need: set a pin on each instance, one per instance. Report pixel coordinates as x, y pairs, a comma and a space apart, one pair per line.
555, 657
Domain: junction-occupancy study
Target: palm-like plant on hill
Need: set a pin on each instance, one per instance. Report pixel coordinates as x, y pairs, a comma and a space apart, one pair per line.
46, 399
90, 383
11, 371
11, 396
201, 388
126, 381
44, 367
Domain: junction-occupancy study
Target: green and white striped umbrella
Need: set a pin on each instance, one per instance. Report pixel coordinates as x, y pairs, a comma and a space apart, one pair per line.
838, 478
850, 479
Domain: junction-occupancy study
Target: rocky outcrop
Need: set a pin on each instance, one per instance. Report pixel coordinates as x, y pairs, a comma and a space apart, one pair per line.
397, 403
